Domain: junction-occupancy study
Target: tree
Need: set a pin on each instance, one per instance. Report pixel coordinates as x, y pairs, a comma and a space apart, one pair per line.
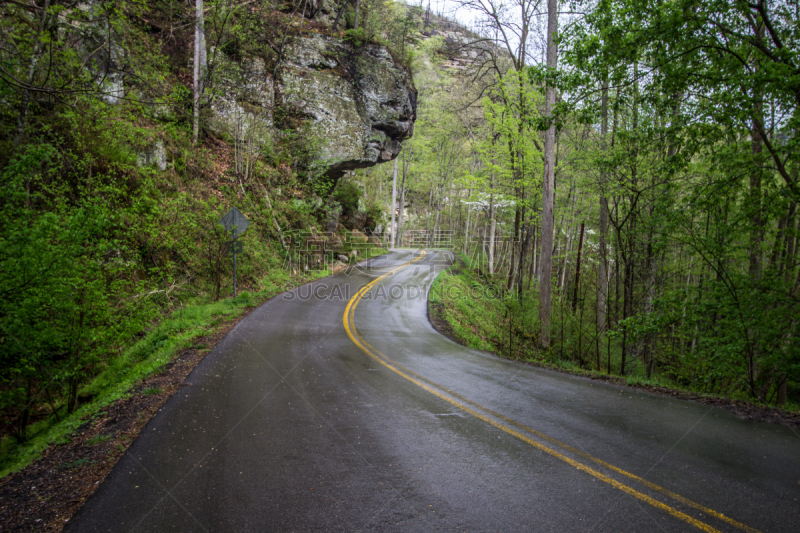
393, 206
199, 67
548, 182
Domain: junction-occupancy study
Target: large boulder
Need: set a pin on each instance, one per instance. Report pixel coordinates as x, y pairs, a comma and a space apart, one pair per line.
362, 101
242, 105
324, 11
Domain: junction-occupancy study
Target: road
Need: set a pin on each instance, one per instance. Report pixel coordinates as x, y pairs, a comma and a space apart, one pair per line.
337, 407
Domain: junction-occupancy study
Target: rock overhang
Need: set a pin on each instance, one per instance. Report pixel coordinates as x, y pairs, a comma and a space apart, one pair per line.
362, 99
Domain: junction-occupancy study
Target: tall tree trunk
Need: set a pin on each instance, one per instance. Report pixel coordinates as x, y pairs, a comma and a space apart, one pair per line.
652, 268
358, 8
756, 219
533, 246
449, 206
757, 229
793, 240
492, 225
24, 417
548, 181
527, 231
199, 67
428, 221
466, 228
515, 243
626, 311
782, 389
394, 204
568, 238
617, 264
38, 49
72, 396
435, 235
578, 270
401, 213
781, 246
602, 267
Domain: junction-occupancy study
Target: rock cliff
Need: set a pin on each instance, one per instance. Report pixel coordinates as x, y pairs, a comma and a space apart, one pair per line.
360, 100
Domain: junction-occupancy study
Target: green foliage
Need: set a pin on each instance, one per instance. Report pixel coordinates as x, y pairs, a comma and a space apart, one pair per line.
144, 358
98, 439
701, 181
348, 195
97, 244
478, 312
356, 36
375, 216
66, 271
696, 174
510, 149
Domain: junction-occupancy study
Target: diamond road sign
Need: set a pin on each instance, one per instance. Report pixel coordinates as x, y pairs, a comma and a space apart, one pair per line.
234, 222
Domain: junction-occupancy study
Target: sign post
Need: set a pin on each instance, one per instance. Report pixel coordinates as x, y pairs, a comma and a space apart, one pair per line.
234, 223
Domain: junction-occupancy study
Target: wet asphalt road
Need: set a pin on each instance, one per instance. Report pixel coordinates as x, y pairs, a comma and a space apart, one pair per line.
297, 421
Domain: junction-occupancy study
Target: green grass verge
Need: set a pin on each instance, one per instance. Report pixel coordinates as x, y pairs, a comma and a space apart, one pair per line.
142, 359
482, 318
475, 322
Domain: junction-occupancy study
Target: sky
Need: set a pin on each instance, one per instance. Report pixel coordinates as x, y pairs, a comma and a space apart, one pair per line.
450, 8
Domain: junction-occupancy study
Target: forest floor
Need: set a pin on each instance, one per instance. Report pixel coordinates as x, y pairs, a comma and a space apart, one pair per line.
741, 408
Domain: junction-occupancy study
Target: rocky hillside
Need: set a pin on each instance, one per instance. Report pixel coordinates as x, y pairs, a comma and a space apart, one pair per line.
357, 97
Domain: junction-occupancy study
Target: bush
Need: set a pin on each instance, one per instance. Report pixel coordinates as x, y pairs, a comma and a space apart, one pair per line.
348, 194
375, 216
356, 36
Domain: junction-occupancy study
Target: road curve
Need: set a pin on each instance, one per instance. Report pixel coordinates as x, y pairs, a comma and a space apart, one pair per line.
337, 407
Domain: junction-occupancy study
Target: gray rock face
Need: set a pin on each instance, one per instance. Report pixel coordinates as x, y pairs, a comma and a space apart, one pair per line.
323, 11
361, 102
242, 108
154, 154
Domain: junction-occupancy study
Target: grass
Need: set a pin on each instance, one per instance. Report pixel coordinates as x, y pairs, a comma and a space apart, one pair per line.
481, 317
75, 464
144, 358
474, 308
98, 439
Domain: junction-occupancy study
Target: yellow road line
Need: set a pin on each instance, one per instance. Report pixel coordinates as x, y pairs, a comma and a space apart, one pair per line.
358, 340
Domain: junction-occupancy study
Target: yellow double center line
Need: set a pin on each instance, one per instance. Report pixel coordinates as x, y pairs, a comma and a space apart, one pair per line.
511, 427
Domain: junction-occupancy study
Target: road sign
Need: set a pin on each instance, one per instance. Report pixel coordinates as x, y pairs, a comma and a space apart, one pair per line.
234, 222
